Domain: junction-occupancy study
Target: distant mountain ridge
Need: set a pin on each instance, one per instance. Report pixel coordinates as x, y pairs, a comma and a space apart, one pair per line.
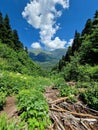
46, 58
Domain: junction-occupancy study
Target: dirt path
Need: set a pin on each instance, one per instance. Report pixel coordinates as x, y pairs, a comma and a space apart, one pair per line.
51, 94
10, 108
68, 115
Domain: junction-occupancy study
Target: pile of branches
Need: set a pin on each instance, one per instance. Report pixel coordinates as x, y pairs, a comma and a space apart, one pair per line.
66, 115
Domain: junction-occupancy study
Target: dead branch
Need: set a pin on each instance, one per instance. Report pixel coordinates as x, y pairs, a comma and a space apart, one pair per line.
58, 100
75, 113
92, 110
84, 125
56, 121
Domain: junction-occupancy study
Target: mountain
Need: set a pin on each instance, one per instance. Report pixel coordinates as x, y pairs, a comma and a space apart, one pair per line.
46, 59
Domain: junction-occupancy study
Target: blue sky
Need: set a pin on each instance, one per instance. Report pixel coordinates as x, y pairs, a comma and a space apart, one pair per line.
48, 24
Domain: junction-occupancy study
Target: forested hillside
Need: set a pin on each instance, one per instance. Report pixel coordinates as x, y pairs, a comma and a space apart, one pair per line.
13, 55
81, 60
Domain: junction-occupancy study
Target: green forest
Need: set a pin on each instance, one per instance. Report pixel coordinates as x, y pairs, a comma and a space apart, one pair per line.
75, 76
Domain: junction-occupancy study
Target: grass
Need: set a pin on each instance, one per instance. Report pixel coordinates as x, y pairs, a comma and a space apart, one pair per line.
31, 103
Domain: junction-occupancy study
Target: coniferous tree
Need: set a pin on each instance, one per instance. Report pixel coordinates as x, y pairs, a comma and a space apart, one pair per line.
17, 44
76, 42
7, 36
95, 21
7, 23
26, 49
88, 27
1, 26
68, 54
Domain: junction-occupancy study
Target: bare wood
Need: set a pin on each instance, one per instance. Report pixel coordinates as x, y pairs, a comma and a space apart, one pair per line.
90, 109
59, 123
75, 113
83, 119
58, 100
84, 125
65, 105
89, 120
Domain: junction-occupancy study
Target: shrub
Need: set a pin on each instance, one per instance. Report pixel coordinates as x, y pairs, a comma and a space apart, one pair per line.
2, 100
6, 124
65, 90
90, 96
58, 82
33, 109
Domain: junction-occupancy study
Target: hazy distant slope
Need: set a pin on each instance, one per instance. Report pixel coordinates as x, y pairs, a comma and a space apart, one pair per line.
46, 59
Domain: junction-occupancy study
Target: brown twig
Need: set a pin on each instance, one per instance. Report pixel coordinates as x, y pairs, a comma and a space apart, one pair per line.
74, 113
58, 100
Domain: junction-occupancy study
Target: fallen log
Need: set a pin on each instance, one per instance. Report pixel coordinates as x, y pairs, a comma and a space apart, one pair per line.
58, 100
75, 113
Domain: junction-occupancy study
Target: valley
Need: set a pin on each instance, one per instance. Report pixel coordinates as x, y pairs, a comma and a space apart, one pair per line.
63, 98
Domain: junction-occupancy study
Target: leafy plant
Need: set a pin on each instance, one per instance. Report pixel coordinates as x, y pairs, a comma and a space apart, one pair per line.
2, 100
6, 124
33, 109
65, 90
90, 96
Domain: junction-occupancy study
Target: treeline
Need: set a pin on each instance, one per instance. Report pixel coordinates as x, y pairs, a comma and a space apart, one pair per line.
13, 55
9, 36
81, 59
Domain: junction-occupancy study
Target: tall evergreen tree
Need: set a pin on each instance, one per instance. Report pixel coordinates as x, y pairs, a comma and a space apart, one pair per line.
7, 23
1, 26
88, 27
76, 43
17, 44
95, 21
68, 54
26, 49
7, 37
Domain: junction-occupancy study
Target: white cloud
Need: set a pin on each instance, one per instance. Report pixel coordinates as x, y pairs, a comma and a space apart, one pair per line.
70, 42
36, 45
42, 14
56, 44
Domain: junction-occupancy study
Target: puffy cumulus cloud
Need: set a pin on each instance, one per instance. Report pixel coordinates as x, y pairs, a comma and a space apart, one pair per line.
56, 44
70, 42
42, 14
36, 45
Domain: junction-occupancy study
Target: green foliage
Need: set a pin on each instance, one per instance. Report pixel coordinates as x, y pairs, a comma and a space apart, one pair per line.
80, 62
32, 106
83, 84
90, 96
72, 98
58, 81
10, 125
17, 44
12, 51
70, 72
65, 90
12, 83
76, 42
95, 21
2, 100
9, 36
88, 27
33, 109
17, 62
